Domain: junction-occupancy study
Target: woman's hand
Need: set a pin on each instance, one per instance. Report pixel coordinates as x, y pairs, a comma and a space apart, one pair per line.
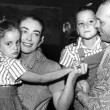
79, 70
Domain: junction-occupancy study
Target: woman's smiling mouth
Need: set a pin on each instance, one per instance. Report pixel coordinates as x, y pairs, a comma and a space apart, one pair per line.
26, 44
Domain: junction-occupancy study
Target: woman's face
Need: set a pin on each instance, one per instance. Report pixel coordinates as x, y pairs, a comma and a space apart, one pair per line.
30, 35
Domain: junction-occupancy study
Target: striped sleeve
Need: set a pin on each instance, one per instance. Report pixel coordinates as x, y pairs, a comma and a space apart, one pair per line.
16, 69
69, 56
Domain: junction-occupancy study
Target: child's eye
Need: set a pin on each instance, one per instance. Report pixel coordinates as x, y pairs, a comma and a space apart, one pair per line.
91, 22
80, 24
18, 43
8, 43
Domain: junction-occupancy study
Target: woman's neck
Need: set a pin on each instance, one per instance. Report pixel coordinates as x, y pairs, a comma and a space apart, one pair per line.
27, 57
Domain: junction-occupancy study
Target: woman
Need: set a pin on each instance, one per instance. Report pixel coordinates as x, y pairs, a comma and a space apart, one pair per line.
37, 97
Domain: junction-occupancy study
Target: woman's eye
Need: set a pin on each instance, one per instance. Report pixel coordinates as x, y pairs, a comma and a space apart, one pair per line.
23, 31
36, 34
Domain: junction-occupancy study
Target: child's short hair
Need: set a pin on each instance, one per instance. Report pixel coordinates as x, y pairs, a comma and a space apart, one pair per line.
86, 7
7, 25
83, 8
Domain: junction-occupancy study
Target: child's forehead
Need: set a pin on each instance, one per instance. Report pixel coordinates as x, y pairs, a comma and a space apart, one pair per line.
86, 14
12, 34
12, 30
89, 12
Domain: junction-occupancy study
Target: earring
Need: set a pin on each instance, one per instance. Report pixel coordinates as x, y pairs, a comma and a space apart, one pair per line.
42, 40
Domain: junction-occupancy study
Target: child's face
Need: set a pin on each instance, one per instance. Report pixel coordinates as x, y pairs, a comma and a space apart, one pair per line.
86, 23
10, 43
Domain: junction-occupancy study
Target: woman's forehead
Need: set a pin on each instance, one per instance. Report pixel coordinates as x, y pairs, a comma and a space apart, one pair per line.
31, 24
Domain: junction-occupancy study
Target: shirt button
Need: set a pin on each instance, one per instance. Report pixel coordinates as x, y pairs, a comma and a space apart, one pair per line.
82, 59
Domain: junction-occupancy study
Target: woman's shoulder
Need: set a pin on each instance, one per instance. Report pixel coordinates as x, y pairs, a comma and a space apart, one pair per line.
52, 65
48, 63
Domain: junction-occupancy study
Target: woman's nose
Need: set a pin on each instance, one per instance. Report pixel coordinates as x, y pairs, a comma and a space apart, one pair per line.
29, 37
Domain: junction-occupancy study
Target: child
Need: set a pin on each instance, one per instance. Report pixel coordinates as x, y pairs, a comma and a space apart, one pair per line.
89, 47
11, 70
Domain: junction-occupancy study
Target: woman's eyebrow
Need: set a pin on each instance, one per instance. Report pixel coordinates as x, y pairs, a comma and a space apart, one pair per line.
25, 28
36, 31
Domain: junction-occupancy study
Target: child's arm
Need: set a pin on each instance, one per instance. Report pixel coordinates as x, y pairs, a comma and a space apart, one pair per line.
33, 77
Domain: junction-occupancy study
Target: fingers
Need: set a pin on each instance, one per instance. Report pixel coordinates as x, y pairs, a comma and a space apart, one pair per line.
78, 70
82, 68
75, 71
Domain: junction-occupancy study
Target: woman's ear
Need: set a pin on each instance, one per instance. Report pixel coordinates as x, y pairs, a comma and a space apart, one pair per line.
41, 41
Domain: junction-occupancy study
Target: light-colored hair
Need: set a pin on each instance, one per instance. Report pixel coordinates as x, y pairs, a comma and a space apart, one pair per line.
6, 26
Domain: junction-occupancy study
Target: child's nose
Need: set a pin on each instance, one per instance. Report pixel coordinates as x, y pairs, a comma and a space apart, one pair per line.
86, 25
15, 47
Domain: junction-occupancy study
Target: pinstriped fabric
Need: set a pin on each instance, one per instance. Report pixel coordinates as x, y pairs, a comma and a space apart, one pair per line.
70, 56
10, 70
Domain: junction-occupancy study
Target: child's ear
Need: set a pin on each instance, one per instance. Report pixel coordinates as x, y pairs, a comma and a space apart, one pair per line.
41, 41
77, 32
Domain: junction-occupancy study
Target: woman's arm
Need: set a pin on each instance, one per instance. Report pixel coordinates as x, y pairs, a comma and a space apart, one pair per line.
63, 99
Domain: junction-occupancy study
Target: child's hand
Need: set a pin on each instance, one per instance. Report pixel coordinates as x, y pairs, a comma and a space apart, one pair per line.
79, 70
82, 68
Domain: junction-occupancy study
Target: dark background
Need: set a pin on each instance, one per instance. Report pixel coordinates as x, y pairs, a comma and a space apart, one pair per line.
53, 12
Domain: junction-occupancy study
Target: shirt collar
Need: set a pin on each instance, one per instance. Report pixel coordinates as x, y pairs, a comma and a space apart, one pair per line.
2, 57
81, 45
